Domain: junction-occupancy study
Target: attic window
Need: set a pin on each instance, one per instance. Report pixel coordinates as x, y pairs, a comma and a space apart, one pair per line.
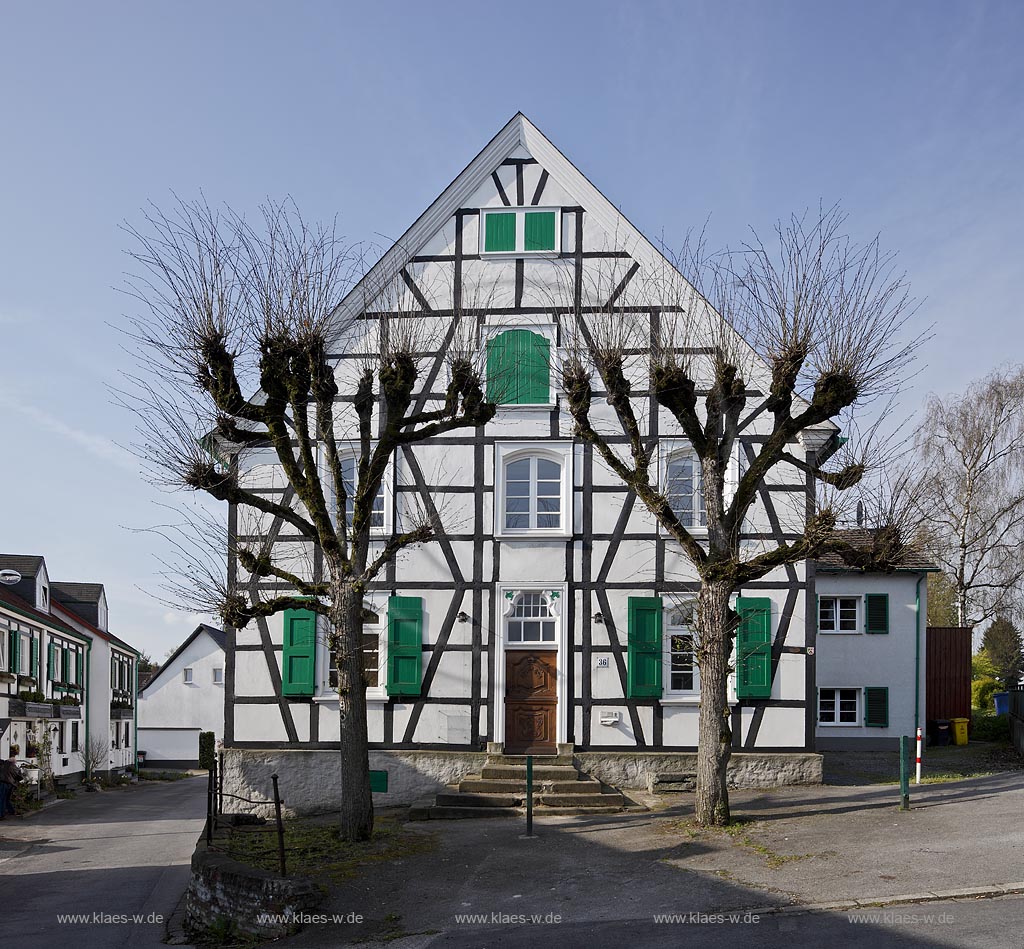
519, 231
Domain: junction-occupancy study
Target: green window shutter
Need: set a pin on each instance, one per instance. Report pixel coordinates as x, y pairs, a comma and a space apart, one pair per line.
518, 368
876, 613
50, 651
754, 648
78, 670
502, 388
539, 230
298, 662
405, 644
643, 653
500, 232
876, 706
65, 666
33, 667
12, 651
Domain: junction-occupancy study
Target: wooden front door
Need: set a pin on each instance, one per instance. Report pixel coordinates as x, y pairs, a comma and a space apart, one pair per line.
531, 702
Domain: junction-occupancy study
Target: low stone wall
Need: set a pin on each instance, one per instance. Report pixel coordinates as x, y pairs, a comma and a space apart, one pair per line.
309, 780
747, 769
223, 892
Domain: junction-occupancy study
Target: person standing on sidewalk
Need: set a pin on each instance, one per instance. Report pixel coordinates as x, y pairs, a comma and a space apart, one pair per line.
10, 776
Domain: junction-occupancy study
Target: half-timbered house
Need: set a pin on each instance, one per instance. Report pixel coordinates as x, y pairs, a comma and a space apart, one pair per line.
551, 615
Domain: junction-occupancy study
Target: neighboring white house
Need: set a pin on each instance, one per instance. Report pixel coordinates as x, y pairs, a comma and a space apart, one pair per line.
63, 674
870, 650
183, 698
554, 615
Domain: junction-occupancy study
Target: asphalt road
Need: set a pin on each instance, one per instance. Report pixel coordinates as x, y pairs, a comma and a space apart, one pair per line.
120, 858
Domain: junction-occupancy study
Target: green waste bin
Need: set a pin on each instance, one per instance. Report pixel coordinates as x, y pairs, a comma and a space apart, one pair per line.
960, 730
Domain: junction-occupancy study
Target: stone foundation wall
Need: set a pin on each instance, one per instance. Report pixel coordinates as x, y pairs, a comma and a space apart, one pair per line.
223, 892
310, 781
747, 769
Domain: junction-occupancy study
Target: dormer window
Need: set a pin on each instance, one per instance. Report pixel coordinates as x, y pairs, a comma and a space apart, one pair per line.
519, 231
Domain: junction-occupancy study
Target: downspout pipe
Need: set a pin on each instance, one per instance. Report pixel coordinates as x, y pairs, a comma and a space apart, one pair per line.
917, 653
88, 696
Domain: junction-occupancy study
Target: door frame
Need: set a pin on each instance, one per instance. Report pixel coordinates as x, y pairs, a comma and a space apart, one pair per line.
561, 650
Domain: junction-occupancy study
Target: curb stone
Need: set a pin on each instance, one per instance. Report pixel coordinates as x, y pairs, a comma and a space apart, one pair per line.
933, 896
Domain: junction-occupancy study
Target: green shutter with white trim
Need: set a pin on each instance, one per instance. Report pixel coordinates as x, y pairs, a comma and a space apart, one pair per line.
405, 645
754, 648
500, 232
298, 660
876, 706
65, 665
519, 368
51, 651
33, 667
876, 613
79, 680
539, 230
643, 651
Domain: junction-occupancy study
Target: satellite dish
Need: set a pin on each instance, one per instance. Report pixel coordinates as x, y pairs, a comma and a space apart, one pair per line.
10, 577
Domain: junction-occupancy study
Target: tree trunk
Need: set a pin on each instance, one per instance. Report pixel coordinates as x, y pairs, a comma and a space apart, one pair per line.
714, 743
356, 800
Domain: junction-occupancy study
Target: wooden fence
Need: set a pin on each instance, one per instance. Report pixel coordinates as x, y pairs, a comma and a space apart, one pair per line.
948, 672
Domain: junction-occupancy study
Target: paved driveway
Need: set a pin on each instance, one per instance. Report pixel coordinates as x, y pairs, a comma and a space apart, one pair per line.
119, 853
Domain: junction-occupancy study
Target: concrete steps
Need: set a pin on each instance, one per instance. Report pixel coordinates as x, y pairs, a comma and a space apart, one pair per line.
500, 791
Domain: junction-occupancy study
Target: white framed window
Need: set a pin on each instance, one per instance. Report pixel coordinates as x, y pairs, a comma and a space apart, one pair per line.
57, 672
682, 481
25, 654
839, 706
186, 675
4, 636
374, 652
533, 490
218, 676
349, 471
531, 620
681, 675
839, 614
520, 231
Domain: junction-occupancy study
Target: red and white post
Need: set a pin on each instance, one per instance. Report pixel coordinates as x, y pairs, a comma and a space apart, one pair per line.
917, 765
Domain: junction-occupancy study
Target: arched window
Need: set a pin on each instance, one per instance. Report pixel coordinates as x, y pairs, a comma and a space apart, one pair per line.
532, 619
349, 471
533, 494
518, 368
684, 489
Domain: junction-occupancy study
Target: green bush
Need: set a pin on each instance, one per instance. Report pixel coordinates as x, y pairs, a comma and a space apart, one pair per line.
207, 751
981, 694
990, 727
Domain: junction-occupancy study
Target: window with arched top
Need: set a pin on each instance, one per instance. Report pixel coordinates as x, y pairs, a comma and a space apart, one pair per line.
519, 368
531, 620
533, 493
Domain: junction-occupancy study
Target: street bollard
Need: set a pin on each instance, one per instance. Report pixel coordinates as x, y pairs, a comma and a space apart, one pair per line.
904, 772
917, 775
529, 795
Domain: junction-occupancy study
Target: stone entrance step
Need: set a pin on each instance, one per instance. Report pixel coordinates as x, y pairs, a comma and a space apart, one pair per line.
500, 790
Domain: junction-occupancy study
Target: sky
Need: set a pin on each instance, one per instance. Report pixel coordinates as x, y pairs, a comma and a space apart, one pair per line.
727, 112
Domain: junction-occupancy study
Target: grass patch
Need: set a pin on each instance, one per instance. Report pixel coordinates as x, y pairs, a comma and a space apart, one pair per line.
314, 849
162, 775
738, 830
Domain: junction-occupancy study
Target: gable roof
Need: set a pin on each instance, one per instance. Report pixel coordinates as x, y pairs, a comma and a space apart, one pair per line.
218, 636
12, 601
26, 564
76, 592
912, 561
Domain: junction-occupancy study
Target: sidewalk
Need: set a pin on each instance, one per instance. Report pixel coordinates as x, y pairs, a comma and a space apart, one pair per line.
805, 846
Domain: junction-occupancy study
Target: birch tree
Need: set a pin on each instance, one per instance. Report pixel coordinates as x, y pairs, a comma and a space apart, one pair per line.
971, 457
237, 342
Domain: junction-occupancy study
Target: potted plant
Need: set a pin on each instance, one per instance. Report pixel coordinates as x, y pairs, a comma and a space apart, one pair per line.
69, 707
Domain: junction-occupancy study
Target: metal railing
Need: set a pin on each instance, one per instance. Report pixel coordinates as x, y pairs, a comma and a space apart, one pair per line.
219, 828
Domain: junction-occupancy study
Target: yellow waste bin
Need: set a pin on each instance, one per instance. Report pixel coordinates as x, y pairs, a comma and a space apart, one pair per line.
960, 730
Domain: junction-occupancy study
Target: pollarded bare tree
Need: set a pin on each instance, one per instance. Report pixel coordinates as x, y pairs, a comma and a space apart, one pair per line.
230, 309
786, 343
971, 456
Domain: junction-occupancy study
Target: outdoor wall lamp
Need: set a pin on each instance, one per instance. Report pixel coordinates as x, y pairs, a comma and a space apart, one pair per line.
599, 618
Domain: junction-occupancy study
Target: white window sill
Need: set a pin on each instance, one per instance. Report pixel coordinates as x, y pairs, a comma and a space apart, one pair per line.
839, 724
513, 254
681, 699
375, 697
504, 407
841, 632
530, 536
